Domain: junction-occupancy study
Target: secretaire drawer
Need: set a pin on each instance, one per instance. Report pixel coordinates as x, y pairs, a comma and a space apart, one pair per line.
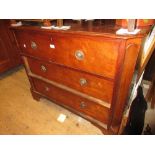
92, 54
83, 82
71, 100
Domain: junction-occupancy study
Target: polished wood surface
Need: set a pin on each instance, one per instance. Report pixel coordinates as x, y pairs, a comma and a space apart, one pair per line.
130, 55
55, 60
80, 104
84, 82
5, 62
64, 48
84, 30
9, 53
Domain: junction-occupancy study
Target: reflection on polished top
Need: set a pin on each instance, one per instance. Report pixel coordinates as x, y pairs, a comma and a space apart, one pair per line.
95, 27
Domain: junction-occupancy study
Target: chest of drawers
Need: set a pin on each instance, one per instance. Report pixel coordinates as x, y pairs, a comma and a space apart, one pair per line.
88, 73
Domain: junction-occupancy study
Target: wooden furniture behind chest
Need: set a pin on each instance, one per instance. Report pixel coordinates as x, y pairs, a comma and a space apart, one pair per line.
9, 52
87, 71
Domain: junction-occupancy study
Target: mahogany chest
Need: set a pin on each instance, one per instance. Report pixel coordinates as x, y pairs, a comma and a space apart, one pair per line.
86, 71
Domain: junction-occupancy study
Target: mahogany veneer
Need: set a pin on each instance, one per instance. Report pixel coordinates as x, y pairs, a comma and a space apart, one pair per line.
88, 71
65, 47
94, 86
9, 53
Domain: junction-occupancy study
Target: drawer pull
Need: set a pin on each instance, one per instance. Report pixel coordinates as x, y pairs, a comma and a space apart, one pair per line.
79, 55
82, 105
33, 45
43, 68
83, 82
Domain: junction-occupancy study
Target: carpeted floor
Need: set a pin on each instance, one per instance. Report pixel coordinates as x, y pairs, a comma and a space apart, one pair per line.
21, 114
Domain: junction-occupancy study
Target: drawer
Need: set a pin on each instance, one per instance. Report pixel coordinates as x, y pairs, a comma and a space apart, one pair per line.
92, 54
75, 102
83, 82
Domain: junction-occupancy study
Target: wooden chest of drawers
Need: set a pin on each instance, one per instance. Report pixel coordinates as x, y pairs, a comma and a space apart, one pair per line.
87, 72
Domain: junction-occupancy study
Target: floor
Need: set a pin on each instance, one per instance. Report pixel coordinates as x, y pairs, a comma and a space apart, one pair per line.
150, 113
21, 114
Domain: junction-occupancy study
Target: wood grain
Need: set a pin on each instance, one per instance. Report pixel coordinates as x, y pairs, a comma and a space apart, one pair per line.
63, 97
97, 60
131, 55
107, 58
95, 86
9, 53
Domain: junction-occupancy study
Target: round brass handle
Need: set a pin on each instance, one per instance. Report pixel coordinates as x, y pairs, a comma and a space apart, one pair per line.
82, 105
79, 55
33, 45
43, 68
83, 82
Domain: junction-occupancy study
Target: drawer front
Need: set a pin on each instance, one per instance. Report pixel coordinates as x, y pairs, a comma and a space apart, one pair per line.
92, 54
78, 103
83, 82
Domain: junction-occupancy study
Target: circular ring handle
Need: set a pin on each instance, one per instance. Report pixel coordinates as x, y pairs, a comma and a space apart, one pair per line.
83, 82
33, 45
82, 105
43, 68
79, 55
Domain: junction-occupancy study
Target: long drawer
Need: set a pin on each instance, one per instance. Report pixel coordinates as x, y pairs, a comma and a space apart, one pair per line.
83, 82
92, 54
79, 104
